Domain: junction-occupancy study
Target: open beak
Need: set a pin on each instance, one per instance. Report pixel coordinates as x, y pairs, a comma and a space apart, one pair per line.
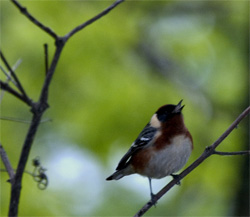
178, 107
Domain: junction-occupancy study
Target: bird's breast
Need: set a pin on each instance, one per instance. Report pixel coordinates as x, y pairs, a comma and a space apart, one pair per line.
169, 159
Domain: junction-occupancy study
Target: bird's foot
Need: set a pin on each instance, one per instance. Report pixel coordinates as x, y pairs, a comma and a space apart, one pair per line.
176, 177
153, 199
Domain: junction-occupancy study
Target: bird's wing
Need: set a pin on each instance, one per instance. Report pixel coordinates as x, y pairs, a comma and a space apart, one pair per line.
143, 140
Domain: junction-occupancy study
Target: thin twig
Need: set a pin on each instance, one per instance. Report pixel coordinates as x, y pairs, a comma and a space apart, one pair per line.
98, 16
12, 73
16, 120
18, 62
20, 87
8, 76
24, 11
45, 89
28, 172
231, 153
46, 57
7, 163
6, 87
38, 175
208, 152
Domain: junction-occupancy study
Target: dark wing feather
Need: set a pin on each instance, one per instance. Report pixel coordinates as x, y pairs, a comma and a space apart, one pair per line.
144, 139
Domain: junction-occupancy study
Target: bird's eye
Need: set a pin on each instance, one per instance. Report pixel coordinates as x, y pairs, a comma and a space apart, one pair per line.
162, 116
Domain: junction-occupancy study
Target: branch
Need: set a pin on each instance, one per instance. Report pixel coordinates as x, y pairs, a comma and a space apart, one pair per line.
208, 152
16, 186
60, 42
231, 153
39, 108
45, 89
46, 57
19, 86
23, 121
6, 163
8, 76
24, 11
27, 172
6, 87
95, 18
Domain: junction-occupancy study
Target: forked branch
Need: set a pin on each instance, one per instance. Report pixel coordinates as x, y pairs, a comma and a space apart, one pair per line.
95, 18
24, 11
6, 87
38, 108
17, 82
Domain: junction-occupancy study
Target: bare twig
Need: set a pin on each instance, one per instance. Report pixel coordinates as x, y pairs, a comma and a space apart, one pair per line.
231, 153
8, 76
44, 93
28, 172
6, 163
6, 87
20, 87
46, 57
24, 11
11, 73
208, 152
95, 18
18, 62
23, 121
39, 107
16, 186
13, 69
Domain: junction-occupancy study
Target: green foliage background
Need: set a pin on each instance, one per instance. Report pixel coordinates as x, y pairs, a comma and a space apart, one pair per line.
110, 79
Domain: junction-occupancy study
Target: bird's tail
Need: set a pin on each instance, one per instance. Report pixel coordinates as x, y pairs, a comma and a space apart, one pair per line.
116, 175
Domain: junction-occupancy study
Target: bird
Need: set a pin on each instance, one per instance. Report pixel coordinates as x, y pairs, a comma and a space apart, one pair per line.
162, 148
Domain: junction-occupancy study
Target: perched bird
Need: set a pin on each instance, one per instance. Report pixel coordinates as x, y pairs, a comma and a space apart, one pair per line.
161, 149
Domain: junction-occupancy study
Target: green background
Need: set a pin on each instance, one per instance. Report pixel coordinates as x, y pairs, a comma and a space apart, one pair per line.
111, 78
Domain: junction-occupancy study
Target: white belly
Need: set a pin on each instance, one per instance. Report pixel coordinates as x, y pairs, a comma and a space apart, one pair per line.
171, 159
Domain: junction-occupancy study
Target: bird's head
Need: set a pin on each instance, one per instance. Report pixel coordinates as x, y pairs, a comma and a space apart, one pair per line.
167, 112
